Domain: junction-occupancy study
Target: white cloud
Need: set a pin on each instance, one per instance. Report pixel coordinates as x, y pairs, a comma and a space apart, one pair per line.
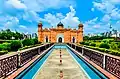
23, 27
30, 16
106, 18
92, 21
16, 4
69, 20
99, 6
115, 13
110, 11
41, 5
104, 6
12, 22
51, 19
115, 1
96, 26
25, 11
92, 9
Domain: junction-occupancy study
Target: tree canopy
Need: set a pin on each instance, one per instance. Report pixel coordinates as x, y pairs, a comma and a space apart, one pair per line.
9, 35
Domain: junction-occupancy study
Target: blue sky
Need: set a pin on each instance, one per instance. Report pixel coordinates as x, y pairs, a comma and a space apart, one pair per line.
24, 15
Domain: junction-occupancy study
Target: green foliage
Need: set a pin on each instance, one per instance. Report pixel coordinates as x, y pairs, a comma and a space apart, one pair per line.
35, 40
104, 50
26, 47
114, 46
27, 42
3, 52
8, 34
15, 45
104, 45
92, 44
82, 42
119, 45
108, 40
5, 47
86, 43
94, 38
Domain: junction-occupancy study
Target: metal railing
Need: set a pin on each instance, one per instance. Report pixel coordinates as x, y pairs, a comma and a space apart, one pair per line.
108, 62
10, 63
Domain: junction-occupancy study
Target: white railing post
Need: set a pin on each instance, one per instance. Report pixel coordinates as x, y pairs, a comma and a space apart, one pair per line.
104, 62
18, 52
75, 46
82, 50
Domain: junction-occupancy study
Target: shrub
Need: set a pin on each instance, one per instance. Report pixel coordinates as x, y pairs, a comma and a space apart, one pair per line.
92, 44
119, 45
26, 47
27, 42
3, 52
5, 46
113, 46
15, 45
86, 43
35, 41
104, 45
114, 52
82, 42
108, 40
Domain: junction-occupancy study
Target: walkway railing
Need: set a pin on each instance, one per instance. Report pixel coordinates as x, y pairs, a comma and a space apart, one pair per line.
108, 62
10, 63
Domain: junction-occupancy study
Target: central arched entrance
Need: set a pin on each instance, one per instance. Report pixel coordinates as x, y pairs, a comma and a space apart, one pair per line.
60, 40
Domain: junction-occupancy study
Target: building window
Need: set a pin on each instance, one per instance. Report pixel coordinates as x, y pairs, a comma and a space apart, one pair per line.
73, 40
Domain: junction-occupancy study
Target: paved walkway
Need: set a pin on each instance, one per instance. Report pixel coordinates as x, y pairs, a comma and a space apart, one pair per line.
51, 69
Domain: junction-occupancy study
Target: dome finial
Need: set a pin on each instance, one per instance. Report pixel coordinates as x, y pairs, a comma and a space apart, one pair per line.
60, 24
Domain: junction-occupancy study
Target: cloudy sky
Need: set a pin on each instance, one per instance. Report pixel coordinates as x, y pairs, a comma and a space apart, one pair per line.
24, 15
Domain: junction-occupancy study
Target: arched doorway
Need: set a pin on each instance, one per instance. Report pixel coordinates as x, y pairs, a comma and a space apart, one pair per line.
60, 40
46, 39
73, 40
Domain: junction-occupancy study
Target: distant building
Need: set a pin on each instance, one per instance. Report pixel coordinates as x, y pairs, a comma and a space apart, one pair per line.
29, 36
25, 36
34, 35
91, 35
117, 34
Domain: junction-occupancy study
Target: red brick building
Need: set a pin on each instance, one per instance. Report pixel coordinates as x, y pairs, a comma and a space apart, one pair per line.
60, 34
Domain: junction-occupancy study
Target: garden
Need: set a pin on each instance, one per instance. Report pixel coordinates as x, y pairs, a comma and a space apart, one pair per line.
15, 45
109, 46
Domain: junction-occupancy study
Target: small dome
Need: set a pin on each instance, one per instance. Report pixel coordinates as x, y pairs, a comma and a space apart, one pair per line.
60, 24
40, 24
80, 25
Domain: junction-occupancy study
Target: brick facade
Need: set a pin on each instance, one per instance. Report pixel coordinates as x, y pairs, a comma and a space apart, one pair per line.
60, 34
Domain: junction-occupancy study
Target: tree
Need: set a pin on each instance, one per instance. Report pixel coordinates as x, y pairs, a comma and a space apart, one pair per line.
8, 34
